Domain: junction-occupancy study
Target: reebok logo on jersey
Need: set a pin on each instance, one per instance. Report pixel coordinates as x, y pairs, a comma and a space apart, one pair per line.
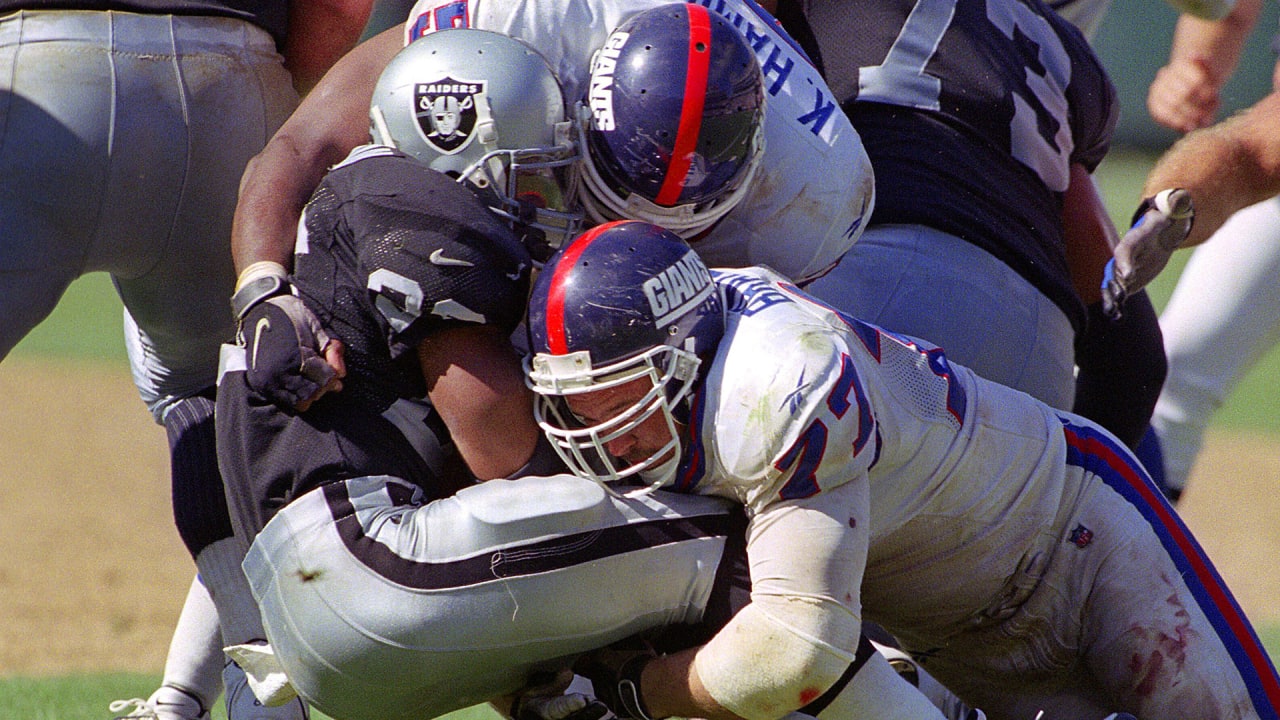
446, 112
678, 289
600, 96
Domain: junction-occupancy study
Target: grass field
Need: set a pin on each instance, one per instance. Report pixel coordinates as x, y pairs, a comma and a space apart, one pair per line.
82, 341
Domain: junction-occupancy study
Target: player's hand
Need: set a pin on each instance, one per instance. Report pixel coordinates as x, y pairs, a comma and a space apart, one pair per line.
290, 358
1184, 95
545, 699
1160, 225
614, 673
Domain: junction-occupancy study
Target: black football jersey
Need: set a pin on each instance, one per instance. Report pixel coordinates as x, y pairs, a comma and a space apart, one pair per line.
972, 113
390, 251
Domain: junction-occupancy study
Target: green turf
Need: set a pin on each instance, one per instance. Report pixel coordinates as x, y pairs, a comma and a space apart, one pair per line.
88, 697
87, 324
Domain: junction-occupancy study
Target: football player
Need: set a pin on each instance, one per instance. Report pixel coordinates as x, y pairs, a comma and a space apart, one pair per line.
812, 183
988, 236
383, 593
390, 584
1020, 551
126, 126
793, 196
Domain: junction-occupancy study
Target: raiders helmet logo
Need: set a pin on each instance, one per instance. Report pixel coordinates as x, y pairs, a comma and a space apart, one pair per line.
446, 112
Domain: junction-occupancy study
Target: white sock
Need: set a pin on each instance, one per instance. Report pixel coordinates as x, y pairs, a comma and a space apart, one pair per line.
195, 659
238, 613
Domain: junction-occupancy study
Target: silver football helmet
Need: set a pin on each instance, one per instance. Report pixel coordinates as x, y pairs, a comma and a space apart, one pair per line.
485, 108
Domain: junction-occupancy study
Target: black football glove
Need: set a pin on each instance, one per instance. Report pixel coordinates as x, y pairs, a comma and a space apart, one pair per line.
284, 345
1159, 226
614, 673
544, 698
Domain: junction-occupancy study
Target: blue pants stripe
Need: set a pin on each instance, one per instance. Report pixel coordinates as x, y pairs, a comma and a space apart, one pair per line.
1102, 455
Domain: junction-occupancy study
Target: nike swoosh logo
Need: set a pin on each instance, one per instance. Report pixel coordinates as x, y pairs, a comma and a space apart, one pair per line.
438, 258
263, 325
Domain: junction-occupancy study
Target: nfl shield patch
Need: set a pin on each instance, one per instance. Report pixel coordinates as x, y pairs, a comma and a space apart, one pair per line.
446, 112
1080, 536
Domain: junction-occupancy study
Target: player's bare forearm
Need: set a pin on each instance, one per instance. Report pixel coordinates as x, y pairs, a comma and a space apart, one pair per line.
1219, 42
320, 33
1088, 232
672, 688
476, 383
271, 201
1226, 167
330, 121
1185, 94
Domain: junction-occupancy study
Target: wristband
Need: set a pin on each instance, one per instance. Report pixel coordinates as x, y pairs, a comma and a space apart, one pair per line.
629, 687
259, 281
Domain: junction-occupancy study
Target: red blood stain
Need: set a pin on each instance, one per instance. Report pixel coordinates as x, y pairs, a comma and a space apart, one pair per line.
808, 695
1146, 672
1164, 654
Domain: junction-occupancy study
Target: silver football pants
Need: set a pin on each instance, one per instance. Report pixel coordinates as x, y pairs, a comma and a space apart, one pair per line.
122, 140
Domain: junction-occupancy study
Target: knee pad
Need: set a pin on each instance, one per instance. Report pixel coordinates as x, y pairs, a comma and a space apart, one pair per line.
199, 502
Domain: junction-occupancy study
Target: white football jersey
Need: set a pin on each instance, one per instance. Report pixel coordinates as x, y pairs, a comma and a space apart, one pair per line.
801, 399
999, 540
815, 188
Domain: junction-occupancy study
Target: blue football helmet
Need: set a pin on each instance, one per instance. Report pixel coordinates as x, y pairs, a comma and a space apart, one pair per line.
625, 300
673, 120
487, 109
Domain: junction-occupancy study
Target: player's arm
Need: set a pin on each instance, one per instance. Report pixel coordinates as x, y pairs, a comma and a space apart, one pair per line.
476, 383
1088, 232
333, 119
1185, 92
785, 648
1121, 362
321, 32
1225, 167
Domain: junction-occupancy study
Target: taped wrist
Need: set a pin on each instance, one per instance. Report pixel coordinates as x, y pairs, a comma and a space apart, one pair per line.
260, 281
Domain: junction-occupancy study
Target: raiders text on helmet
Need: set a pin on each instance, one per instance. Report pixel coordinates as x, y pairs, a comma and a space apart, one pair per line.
485, 108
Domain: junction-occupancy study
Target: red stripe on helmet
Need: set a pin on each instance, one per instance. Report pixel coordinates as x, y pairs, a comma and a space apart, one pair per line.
557, 341
695, 93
